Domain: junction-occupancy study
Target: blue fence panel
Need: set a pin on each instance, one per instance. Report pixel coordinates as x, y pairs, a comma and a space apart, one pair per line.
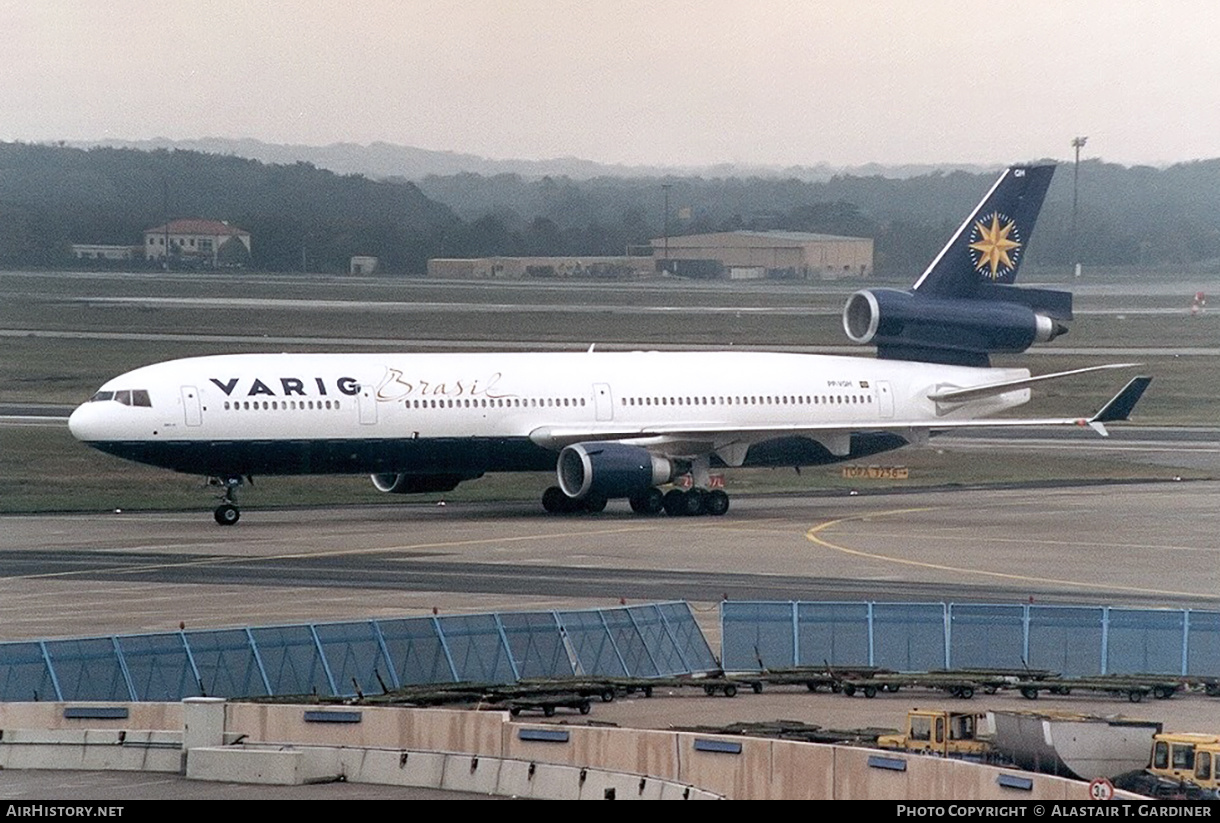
1203, 644
831, 633
986, 637
415, 647
592, 644
354, 657
24, 674
292, 660
909, 636
476, 648
88, 669
1066, 639
1140, 640
640, 640
159, 667
691, 646
751, 632
226, 663
629, 643
536, 643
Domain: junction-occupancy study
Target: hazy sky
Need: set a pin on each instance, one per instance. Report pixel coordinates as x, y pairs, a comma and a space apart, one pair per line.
647, 81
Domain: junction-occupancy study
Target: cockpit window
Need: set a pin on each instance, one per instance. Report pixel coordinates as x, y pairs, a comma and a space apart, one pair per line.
128, 397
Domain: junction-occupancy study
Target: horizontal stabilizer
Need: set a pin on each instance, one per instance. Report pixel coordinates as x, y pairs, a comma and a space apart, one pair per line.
1121, 404
992, 389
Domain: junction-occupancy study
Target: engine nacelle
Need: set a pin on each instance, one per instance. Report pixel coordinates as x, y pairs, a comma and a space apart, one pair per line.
908, 326
610, 470
416, 483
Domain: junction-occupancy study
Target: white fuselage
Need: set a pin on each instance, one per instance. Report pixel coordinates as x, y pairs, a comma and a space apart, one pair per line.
713, 403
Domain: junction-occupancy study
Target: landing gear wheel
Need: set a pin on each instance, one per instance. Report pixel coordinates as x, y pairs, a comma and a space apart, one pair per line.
555, 501
695, 503
674, 502
593, 503
226, 514
648, 502
716, 503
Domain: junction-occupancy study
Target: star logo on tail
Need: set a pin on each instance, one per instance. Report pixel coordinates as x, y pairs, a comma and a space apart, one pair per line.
995, 246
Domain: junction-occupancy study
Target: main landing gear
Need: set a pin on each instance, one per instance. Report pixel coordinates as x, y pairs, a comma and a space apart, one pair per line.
227, 513
695, 502
675, 502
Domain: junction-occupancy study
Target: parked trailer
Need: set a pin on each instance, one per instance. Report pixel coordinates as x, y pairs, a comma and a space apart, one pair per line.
814, 679
545, 704
953, 684
1134, 688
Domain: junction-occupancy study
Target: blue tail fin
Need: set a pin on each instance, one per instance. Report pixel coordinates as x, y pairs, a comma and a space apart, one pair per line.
989, 246
964, 308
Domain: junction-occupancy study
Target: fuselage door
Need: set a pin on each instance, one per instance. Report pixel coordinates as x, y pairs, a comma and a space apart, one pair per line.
885, 400
603, 401
191, 407
367, 400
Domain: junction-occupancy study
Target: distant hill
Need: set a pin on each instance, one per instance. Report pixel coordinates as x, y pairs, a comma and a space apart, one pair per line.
299, 216
385, 160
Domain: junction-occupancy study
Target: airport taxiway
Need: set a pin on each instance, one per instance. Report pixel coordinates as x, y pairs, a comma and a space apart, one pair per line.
116, 572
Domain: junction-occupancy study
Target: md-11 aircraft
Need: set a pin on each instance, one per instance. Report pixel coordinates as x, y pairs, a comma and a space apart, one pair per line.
618, 424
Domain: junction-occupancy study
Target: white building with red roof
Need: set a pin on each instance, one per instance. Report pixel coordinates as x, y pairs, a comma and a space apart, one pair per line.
197, 240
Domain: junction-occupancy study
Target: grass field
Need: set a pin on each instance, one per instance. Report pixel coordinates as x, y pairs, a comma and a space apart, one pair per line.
44, 469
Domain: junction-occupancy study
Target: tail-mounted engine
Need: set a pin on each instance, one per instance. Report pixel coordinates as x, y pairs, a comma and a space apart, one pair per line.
906, 325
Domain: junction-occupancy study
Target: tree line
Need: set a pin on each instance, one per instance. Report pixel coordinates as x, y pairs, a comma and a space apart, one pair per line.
301, 217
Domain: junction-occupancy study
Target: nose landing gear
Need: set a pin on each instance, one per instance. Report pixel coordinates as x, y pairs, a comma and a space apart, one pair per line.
227, 513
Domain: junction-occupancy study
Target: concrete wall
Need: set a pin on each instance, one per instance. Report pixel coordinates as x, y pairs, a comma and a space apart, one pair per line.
485, 752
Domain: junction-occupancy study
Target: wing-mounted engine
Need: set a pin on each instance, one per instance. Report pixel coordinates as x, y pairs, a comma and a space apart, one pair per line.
610, 470
907, 325
418, 483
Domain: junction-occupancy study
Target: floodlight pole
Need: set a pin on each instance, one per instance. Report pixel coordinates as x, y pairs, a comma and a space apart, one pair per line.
666, 187
1077, 144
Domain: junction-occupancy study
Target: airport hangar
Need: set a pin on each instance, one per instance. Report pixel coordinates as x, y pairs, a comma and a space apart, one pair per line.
733, 255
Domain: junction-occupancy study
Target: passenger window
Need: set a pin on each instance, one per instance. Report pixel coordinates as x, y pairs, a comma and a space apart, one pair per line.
1203, 767
1183, 757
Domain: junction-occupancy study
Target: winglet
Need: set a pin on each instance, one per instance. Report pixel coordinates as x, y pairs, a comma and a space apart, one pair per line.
1121, 404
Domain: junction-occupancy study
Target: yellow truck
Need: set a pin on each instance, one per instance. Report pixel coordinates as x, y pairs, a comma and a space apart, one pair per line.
948, 734
1187, 758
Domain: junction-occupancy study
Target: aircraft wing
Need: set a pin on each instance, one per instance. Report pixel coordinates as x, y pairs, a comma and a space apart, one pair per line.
1118, 408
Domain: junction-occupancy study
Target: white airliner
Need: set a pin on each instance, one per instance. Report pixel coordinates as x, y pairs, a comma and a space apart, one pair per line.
613, 424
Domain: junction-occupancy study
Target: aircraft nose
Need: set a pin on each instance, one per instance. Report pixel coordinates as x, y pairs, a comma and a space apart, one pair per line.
83, 422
